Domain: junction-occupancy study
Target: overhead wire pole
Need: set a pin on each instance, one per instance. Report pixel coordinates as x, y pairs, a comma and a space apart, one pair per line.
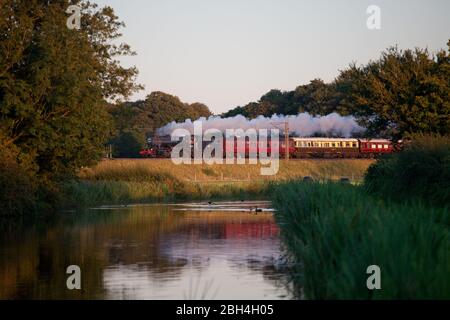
286, 136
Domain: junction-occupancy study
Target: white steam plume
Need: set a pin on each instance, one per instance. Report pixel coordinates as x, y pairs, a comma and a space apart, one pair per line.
303, 124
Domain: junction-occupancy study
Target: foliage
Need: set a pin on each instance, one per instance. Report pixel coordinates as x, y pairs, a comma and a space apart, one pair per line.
54, 83
54, 86
334, 232
420, 172
18, 185
402, 93
135, 121
316, 98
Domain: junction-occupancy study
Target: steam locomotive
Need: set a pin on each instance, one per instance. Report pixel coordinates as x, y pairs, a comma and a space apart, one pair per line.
301, 148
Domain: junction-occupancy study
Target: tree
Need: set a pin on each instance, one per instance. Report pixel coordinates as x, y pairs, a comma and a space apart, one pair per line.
55, 82
316, 98
136, 121
402, 93
198, 110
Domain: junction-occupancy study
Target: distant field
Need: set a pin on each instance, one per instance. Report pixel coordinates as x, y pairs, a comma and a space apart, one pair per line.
140, 169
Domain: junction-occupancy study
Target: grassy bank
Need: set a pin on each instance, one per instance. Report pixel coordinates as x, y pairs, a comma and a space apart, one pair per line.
399, 219
334, 232
123, 181
88, 193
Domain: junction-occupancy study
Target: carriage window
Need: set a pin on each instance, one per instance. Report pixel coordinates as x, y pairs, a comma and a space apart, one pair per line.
347, 144
386, 146
333, 144
354, 144
380, 146
374, 146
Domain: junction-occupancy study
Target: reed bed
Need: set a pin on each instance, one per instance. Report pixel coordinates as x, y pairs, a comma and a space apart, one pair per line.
141, 180
150, 170
334, 232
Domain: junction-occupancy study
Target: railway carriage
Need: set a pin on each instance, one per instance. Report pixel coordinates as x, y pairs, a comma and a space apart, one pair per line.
341, 148
314, 148
326, 148
374, 147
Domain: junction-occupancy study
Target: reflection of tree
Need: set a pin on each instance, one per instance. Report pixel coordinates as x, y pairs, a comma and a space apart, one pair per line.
33, 264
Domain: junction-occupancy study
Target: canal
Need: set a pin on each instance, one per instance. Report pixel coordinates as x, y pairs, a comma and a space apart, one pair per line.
224, 250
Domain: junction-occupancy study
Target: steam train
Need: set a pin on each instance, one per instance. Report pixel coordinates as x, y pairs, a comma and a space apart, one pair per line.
301, 148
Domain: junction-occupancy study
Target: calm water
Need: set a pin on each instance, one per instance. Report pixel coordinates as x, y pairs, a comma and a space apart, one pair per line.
191, 251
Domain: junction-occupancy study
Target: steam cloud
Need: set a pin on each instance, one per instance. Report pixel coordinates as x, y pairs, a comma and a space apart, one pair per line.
303, 124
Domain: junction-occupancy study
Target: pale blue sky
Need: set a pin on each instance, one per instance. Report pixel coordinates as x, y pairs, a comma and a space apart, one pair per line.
230, 52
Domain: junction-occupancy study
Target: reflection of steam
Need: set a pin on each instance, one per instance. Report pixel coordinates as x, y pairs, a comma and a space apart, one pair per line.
302, 124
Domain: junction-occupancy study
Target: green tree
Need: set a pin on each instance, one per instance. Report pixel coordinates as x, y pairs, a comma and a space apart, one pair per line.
198, 110
55, 82
136, 121
316, 98
402, 93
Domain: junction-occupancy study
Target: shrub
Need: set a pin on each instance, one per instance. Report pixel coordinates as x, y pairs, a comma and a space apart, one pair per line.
18, 185
420, 172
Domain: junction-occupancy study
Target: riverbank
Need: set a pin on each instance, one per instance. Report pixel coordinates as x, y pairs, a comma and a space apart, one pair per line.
399, 220
334, 232
126, 181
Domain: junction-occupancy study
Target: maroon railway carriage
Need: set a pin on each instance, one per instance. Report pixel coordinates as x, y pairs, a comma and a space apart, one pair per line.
161, 147
341, 147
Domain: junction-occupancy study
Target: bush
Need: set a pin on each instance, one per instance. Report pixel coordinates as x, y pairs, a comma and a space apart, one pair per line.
17, 184
420, 172
334, 232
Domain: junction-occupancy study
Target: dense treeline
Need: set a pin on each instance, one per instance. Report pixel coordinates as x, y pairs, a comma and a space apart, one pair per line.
316, 98
135, 121
401, 93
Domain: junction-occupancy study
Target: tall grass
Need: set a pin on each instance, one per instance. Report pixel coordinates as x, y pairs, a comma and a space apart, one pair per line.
334, 232
420, 172
81, 193
149, 170
124, 181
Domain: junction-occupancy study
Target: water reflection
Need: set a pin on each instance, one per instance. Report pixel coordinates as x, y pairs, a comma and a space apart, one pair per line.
193, 251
